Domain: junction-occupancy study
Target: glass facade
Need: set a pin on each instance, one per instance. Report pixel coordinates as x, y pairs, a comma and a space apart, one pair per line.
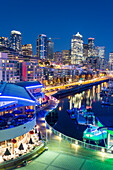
42, 46
15, 40
77, 49
91, 51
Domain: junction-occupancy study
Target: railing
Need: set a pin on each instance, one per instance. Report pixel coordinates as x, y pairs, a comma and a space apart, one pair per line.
75, 141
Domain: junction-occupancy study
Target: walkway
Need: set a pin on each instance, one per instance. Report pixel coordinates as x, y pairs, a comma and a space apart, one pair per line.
64, 156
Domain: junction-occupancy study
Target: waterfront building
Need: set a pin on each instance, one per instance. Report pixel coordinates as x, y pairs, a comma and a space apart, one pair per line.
29, 71
58, 57
4, 41
77, 49
42, 47
15, 40
91, 51
8, 69
18, 104
27, 50
12, 54
50, 50
66, 58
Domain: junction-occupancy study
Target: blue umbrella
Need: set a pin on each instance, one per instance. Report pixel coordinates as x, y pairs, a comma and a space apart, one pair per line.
17, 112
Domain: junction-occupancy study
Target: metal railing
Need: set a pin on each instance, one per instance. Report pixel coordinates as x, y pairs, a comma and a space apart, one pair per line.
75, 141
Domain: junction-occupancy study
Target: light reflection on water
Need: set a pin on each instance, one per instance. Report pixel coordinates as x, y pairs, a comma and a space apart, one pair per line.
84, 98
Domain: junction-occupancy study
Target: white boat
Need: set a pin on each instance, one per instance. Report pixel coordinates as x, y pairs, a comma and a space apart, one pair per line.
94, 134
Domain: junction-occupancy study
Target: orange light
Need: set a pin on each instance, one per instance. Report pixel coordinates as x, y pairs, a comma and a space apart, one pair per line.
60, 108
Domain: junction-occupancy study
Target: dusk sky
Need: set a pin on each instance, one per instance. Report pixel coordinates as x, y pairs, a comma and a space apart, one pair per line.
59, 19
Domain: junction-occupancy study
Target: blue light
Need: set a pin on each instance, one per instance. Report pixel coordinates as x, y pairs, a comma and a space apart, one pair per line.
18, 98
36, 86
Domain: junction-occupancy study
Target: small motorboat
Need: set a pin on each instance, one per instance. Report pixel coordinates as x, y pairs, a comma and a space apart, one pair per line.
94, 134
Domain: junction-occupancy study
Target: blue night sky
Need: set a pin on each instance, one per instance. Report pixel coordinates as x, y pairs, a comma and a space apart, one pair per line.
59, 19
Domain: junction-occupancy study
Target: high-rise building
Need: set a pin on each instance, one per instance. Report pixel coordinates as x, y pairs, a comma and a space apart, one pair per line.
85, 51
111, 58
15, 40
100, 51
77, 49
4, 41
42, 46
91, 51
50, 47
66, 59
27, 50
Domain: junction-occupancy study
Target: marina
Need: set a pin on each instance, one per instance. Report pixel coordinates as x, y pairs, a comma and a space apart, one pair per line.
75, 124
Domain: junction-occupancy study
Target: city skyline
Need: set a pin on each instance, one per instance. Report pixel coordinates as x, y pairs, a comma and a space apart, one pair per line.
59, 20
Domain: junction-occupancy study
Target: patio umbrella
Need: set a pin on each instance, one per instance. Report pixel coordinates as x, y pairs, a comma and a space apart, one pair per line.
17, 112
29, 110
30, 141
21, 147
7, 153
8, 115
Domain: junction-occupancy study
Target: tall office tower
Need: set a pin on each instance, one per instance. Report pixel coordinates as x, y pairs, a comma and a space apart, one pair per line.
66, 59
4, 41
50, 47
100, 51
77, 49
111, 60
91, 51
111, 57
85, 51
58, 57
27, 50
42, 46
15, 40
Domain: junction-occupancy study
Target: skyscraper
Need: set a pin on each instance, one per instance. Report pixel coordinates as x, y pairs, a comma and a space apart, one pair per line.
50, 47
42, 46
66, 59
100, 51
15, 40
91, 51
77, 49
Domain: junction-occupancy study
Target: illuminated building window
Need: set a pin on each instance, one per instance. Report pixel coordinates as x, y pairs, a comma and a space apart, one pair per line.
3, 61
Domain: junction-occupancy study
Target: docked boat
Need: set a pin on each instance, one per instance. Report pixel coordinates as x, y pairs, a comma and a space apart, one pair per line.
92, 133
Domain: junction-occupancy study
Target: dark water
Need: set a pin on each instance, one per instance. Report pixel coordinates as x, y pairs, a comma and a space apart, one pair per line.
64, 123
